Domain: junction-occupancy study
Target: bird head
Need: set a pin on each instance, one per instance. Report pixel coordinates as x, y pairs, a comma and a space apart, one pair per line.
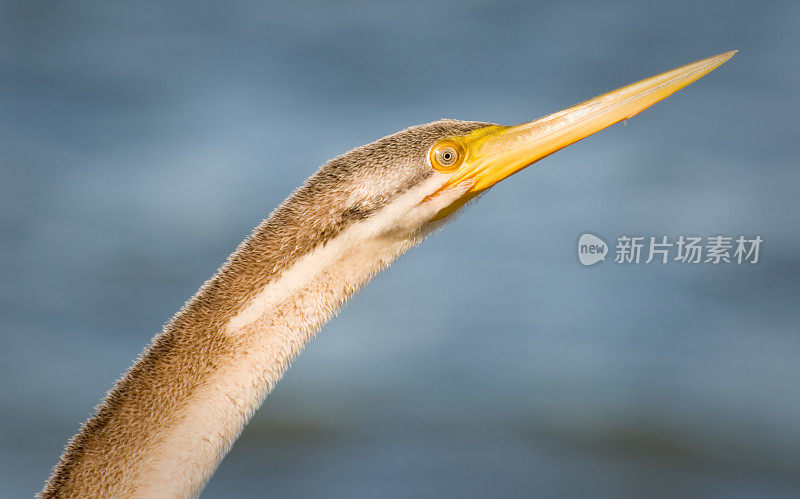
411, 182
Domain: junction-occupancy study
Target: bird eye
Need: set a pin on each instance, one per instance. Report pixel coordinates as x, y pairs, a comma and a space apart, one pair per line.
446, 157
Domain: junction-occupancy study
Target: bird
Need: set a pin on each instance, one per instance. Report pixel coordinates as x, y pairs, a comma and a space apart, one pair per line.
165, 426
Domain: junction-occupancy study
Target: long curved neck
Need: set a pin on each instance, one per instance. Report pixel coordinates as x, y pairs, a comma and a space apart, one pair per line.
168, 422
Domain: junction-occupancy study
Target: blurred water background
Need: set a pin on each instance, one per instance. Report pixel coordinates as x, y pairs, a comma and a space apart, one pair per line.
141, 141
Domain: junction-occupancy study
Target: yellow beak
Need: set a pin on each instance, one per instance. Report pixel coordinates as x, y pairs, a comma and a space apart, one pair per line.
497, 152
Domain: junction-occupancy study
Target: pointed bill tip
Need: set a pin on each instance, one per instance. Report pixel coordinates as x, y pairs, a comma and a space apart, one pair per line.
719, 59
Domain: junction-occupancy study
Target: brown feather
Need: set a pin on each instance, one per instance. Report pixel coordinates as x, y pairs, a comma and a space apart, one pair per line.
101, 459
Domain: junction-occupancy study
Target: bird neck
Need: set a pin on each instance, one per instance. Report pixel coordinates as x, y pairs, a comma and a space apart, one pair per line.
165, 426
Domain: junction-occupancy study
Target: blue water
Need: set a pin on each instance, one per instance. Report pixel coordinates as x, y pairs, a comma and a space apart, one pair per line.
140, 142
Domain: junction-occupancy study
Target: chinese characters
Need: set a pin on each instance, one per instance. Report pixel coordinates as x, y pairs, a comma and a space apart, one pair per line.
687, 249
